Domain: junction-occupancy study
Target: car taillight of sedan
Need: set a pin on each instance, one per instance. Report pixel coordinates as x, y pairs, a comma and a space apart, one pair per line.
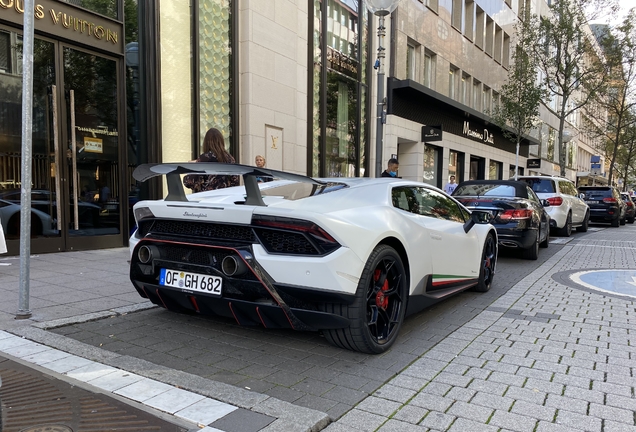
629, 204
516, 214
555, 201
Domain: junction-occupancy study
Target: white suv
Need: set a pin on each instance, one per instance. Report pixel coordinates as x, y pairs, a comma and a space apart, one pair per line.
566, 209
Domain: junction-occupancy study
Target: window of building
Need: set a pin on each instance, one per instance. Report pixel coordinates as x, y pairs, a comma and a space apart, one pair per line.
498, 44
456, 14
490, 36
571, 154
512, 170
339, 97
496, 99
480, 27
550, 148
476, 94
495, 170
431, 4
429, 69
469, 19
464, 95
411, 63
505, 59
485, 99
453, 75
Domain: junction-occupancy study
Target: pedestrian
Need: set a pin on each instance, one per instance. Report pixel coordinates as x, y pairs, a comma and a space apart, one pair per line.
213, 151
450, 186
392, 168
260, 163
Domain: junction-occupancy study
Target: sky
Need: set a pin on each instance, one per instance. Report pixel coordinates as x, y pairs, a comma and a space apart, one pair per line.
625, 6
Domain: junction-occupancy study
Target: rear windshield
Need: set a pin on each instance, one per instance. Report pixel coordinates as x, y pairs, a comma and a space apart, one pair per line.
596, 193
540, 185
295, 191
485, 190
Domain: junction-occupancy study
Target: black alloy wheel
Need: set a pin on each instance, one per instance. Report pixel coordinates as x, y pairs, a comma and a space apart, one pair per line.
586, 223
532, 253
488, 264
377, 313
566, 231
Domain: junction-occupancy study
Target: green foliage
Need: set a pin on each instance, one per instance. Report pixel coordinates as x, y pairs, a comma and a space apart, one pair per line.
518, 110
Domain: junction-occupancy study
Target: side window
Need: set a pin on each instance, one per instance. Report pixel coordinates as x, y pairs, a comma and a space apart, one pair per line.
532, 196
402, 198
437, 205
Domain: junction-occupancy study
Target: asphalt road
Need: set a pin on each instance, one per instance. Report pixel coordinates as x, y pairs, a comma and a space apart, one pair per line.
298, 367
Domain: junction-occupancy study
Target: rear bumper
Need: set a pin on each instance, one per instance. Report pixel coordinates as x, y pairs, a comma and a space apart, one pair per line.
514, 238
252, 297
603, 215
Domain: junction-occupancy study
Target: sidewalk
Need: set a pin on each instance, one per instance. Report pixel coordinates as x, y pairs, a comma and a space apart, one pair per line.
549, 355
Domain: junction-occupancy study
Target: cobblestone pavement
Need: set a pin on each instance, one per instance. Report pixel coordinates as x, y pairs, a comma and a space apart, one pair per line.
542, 357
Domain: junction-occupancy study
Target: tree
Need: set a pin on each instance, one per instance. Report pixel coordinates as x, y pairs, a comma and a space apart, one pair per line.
619, 101
518, 110
574, 69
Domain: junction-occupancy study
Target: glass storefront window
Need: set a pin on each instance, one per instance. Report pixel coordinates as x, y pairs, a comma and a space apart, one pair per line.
339, 102
495, 170
215, 58
431, 165
452, 163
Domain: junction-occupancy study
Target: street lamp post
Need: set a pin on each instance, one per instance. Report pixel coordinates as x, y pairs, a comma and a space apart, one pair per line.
380, 8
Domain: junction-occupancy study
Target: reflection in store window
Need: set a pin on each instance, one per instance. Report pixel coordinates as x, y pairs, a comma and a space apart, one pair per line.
431, 164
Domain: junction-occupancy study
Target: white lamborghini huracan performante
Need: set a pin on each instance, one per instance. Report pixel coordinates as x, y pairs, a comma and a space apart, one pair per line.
349, 257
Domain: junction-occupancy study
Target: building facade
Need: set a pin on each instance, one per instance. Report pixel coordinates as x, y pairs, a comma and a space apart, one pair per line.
124, 82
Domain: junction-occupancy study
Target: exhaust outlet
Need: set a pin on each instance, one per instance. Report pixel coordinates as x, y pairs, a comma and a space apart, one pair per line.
147, 253
233, 266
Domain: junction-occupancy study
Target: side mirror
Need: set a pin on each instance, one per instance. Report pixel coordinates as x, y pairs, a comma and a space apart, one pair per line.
545, 203
480, 217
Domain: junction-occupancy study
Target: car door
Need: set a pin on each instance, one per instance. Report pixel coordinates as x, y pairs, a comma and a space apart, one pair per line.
544, 218
577, 205
456, 253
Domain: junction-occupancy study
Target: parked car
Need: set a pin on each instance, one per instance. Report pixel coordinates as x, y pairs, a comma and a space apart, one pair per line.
606, 204
518, 214
349, 257
41, 223
567, 209
630, 209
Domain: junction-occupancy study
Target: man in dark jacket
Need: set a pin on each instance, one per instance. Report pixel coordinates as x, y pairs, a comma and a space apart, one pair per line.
391, 170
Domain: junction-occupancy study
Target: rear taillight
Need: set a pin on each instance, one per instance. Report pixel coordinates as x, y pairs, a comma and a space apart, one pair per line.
295, 225
518, 214
609, 200
629, 204
555, 201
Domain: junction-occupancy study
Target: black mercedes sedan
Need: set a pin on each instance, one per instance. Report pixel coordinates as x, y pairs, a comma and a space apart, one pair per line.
519, 215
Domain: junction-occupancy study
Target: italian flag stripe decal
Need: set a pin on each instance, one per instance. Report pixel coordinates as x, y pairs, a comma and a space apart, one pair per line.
441, 280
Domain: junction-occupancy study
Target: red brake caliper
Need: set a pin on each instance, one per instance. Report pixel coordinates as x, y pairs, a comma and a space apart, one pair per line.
380, 299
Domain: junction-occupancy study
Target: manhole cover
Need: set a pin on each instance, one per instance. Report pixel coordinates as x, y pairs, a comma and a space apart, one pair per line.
48, 428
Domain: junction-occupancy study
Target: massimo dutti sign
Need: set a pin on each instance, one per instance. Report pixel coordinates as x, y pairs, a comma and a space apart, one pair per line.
62, 20
483, 135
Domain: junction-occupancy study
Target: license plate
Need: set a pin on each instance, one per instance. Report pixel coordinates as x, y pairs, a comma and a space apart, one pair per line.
191, 281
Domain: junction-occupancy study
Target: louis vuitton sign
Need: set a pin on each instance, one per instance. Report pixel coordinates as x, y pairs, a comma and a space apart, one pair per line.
67, 22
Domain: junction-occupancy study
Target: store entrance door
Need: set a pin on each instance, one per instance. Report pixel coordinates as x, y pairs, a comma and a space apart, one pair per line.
75, 185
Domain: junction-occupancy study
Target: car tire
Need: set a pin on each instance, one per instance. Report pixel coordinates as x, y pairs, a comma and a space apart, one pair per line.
532, 253
586, 223
566, 231
545, 243
487, 265
622, 221
378, 310
615, 223
630, 220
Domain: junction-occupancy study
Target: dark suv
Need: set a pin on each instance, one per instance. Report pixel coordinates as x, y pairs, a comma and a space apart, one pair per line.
630, 209
606, 204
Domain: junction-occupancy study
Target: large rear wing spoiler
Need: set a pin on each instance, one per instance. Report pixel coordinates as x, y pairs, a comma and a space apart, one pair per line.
176, 192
